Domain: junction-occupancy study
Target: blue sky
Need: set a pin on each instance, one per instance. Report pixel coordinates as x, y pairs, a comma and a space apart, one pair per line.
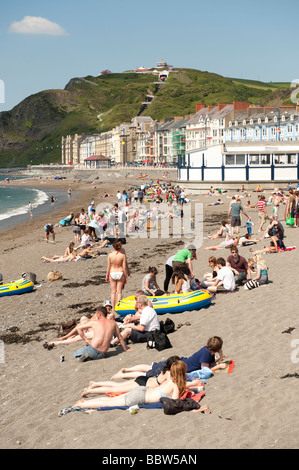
45, 44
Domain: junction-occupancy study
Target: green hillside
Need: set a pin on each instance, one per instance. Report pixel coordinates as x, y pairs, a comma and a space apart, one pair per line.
32, 130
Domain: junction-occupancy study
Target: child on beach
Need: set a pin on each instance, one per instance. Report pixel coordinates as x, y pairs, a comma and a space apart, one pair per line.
49, 228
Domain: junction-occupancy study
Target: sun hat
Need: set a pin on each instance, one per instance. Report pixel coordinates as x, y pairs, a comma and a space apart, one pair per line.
191, 247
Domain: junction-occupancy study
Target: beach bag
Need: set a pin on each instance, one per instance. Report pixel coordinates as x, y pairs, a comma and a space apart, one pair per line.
251, 285
157, 339
195, 284
54, 276
290, 220
30, 277
172, 406
168, 326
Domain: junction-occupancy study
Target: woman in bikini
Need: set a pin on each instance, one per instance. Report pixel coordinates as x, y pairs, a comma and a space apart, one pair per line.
68, 255
125, 386
173, 388
116, 272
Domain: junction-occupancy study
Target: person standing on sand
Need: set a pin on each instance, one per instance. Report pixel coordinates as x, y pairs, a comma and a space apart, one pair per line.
262, 212
103, 332
116, 272
234, 213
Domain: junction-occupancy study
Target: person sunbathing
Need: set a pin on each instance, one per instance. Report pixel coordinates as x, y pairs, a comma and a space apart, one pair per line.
69, 254
227, 243
125, 386
224, 229
174, 388
73, 336
276, 243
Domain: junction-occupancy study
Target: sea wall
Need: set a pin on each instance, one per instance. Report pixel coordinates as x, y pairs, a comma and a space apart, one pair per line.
103, 174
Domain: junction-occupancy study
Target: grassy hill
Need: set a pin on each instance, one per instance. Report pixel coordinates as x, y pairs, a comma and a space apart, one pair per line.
32, 130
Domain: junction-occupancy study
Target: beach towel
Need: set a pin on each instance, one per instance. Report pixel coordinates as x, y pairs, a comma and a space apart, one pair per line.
150, 406
228, 370
87, 411
288, 248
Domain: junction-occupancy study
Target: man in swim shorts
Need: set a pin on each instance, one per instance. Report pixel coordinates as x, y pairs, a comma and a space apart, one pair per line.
234, 212
103, 332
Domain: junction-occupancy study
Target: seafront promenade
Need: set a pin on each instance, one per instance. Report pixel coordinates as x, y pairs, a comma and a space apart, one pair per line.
132, 174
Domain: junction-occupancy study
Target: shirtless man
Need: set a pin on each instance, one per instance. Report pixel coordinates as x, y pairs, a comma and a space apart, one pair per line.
103, 332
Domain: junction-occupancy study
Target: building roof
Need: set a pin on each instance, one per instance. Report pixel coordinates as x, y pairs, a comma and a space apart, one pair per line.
261, 146
96, 158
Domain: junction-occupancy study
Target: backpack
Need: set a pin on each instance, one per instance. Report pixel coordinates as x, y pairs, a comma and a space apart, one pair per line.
195, 284
30, 277
168, 326
157, 339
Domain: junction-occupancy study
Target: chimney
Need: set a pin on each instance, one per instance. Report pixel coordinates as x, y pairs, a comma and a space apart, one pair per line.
210, 107
199, 106
297, 107
241, 105
221, 106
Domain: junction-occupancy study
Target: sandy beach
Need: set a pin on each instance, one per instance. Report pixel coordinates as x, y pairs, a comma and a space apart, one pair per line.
251, 408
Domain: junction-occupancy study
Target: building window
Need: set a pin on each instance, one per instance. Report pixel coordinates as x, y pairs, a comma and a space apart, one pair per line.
290, 128
273, 131
233, 160
285, 159
265, 159
240, 159
254, 160
229, 159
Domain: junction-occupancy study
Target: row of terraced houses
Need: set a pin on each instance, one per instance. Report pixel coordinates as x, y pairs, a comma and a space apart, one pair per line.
144, 140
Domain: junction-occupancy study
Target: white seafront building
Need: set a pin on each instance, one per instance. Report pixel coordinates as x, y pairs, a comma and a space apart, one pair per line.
261, 161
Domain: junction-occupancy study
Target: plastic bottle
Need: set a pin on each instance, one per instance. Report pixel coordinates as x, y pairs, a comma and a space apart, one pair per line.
133, 409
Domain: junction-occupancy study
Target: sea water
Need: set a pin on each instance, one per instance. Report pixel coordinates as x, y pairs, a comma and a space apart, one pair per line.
14, 199
14, 202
